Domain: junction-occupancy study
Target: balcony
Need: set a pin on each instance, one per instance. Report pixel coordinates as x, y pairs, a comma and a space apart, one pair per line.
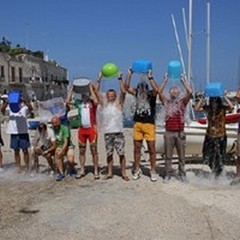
2, 79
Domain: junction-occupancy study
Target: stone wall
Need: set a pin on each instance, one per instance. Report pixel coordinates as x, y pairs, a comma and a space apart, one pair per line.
35, 77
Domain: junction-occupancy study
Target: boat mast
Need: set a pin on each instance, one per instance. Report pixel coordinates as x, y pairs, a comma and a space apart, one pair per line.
208, 43
190, 43
178, 44
185, 26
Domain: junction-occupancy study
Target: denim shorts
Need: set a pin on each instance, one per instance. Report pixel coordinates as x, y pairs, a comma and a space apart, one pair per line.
19, 141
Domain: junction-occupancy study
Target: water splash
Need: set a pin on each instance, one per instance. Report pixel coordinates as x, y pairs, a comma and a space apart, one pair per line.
109, 118
10, 174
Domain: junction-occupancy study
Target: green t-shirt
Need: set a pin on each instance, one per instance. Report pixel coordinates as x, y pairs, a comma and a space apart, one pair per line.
62, 133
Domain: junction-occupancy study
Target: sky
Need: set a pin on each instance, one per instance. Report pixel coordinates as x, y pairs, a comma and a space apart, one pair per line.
83, 35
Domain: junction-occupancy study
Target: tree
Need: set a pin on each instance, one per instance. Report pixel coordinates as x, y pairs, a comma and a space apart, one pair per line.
5, 45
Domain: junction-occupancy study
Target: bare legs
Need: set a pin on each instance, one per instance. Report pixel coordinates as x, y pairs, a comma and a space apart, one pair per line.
59, 156
122, 161
17, 158
137, 154
82, 159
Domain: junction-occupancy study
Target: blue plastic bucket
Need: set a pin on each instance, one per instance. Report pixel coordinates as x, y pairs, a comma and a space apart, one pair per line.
174, 70
14, 100
141, 66
214, 89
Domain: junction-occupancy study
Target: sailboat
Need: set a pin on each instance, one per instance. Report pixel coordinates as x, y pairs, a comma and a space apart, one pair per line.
195, 131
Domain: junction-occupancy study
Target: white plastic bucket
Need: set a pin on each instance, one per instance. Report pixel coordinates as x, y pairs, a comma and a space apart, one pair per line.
81, 85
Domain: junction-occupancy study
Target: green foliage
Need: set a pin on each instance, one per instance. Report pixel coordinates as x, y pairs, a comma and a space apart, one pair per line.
38, 54
5, 46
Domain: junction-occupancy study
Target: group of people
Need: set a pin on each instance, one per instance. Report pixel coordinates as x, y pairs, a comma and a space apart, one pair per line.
55, 143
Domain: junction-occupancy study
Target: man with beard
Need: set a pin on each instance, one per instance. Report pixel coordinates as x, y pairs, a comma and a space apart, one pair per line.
144, 121
175, 108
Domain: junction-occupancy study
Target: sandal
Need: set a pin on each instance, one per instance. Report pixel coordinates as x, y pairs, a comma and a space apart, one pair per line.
96, 176
81, 175
125, 178
107, 177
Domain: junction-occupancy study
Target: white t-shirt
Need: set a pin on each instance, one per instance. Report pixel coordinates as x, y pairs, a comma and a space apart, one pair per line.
85, 113
112, 118
44, 140
18, 121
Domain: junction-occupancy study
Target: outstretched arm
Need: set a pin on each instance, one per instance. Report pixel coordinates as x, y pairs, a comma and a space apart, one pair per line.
152, 82
237, 97
69, 95
199, 106
28, 104
4, 106
99, 80
187, 88
122, 89
93, 94
128, 88
230, 104
162, 86
96, 89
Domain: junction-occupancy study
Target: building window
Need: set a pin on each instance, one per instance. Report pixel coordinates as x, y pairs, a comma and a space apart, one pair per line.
20, 74
2, 72
13, 73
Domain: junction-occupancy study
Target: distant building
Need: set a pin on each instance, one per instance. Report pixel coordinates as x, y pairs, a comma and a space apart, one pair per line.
36, 77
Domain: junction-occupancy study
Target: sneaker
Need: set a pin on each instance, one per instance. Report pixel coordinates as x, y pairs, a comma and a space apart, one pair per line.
1, 169
136, 174
60, 177
182, 178
51, 173
235, 181
166, 179
153, 176
73, 172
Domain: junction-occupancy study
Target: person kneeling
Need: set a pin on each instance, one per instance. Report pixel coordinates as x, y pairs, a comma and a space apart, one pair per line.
44, 144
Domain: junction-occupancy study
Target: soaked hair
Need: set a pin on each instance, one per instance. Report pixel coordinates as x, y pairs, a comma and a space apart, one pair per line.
42, 126
143, 86
111, 90
173, 87
216, 100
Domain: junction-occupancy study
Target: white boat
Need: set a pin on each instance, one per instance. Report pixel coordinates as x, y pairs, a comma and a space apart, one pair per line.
195, 133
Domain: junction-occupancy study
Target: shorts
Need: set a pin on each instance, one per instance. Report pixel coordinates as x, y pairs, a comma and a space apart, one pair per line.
145, 131
69, 152
85, 134
114, 140
19, 141
238, 145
